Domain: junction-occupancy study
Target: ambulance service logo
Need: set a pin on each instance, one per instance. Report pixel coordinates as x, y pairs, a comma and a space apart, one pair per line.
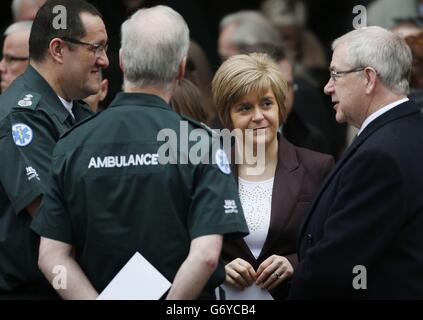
22, 134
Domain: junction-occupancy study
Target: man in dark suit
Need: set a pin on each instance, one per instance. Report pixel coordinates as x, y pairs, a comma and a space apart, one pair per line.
362, 238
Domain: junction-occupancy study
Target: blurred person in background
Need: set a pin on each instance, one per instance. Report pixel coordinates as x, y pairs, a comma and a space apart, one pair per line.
199, 72
95, 100
310, 62
187, 100
23, 10
15, 57
245, 27
302, 46
387, 13
412, 32
416, 80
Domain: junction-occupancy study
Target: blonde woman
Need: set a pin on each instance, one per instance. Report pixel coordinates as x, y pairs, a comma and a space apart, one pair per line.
249, 93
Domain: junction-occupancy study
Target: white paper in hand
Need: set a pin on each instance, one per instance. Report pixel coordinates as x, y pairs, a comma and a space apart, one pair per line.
137, 280
253, 292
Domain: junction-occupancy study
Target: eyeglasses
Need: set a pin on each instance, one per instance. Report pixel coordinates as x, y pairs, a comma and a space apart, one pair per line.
97, 48
9, 59
334, 75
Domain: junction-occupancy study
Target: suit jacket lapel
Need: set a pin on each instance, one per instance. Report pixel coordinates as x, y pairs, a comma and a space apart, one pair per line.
286, 187
402, 110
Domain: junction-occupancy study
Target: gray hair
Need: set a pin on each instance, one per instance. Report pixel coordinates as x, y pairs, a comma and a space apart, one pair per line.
251, 28
382, 50
21, 26
154, 43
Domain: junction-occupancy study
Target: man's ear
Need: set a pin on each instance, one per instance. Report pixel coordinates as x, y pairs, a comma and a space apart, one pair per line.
104, 89
371, 79
121, 64
55, 50
181, 71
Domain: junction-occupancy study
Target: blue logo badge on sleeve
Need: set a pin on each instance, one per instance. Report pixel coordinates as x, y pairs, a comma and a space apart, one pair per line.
22, 134
222, 161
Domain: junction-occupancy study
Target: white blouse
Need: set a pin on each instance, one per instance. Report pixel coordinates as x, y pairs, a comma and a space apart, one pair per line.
256, 200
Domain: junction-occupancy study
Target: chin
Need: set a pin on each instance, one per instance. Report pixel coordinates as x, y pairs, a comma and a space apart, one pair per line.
340, 118
89, 91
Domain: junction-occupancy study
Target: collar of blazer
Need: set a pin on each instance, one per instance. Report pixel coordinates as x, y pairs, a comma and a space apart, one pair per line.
286, 185
403, 110
287, 157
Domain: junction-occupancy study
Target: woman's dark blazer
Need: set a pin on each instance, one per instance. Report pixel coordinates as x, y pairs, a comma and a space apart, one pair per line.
299, 174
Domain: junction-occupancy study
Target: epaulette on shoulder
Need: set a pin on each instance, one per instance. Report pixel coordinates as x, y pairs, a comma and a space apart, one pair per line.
200, 125
77, 125
27, 100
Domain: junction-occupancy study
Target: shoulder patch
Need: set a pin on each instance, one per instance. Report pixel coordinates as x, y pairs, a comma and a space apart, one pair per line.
27, 100
22, 134
80, 123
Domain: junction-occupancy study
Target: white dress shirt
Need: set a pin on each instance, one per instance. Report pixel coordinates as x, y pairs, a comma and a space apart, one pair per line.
68, 105
378, 113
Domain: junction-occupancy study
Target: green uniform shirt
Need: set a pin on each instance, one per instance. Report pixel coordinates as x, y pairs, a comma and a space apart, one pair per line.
110, 196
32, 118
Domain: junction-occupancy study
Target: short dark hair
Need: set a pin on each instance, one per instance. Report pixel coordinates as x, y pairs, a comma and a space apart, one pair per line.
43, 30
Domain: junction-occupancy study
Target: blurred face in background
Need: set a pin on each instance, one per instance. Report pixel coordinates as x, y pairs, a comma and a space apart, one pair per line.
15, 58
225, 46
28, 9
290, 35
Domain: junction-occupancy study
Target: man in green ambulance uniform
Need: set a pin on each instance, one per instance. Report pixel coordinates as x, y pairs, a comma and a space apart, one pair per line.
35, 110
116, 192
